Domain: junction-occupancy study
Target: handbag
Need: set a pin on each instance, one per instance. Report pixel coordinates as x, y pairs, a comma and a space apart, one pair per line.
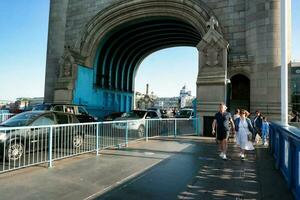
249, 134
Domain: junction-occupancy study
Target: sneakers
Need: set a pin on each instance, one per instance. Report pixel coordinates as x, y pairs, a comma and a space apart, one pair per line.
224, 157
242, 156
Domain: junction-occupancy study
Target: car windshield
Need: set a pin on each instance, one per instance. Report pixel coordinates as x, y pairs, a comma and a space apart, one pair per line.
134, 114
185, 112
21, 119
41, 107
82, 110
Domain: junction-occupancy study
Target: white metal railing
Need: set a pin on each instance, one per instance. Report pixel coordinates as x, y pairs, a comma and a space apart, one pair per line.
295, 124
5, 116
26, 146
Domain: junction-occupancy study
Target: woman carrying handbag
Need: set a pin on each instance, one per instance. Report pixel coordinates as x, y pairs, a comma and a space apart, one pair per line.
244, 130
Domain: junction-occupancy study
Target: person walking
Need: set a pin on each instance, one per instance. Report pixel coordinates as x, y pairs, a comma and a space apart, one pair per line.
265, 131
236, 114
221, 127
257, 124
295, 116
244, 129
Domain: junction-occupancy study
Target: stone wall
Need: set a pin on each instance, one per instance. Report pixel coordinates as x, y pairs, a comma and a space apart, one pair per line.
251, 28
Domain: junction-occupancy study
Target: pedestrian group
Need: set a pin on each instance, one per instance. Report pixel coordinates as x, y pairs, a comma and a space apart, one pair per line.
247, 132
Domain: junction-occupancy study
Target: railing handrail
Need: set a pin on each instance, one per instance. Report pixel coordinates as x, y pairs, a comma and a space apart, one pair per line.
30, 145
284, 145
289, 131
91, 123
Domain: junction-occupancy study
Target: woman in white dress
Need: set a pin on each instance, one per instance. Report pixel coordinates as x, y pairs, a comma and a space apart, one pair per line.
244, 129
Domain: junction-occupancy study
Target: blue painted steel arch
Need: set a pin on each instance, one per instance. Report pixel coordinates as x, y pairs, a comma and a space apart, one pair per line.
109, 85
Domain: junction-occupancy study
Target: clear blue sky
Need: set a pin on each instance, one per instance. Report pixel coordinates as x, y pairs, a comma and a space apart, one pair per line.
23, 46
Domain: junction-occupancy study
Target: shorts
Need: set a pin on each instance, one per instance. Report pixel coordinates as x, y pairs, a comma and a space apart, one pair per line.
222, 135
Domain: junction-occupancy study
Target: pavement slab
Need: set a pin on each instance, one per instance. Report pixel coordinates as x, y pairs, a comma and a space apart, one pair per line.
162, 168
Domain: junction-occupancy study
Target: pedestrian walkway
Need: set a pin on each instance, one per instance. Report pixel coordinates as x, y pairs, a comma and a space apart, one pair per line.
162, 168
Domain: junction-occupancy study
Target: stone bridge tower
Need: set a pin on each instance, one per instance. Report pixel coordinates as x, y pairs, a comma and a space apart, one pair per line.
95, 47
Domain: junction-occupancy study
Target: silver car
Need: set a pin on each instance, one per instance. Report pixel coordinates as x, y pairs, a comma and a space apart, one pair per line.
136, 120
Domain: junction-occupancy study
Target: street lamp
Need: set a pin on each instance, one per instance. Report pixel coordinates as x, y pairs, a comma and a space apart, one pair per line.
227, 81
285, 4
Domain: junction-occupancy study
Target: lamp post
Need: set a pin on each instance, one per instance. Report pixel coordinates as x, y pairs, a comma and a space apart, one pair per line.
284, 61
227, 81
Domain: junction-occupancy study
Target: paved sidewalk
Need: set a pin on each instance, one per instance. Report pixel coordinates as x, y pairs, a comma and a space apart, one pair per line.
163, 168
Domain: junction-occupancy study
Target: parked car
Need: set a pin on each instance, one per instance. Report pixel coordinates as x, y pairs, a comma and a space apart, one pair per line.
162, 113
112, 116
15, 142
136, 120
185, 113
80, 112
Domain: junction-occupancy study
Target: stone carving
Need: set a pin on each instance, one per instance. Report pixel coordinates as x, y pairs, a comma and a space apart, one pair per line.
212, 22
211, 56
211, 47
66, 64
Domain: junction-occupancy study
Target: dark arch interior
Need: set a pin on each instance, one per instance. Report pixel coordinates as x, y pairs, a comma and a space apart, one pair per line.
122, 50
240, 92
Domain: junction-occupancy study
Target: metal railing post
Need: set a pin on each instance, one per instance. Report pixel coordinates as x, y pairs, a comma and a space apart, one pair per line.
146, 127
50, 147
97, 138
175, 128
126, 135
198, 126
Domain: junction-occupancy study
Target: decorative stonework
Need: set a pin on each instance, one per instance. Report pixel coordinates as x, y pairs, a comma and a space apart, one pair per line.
212, 23
66, 64
253, 35
212, 55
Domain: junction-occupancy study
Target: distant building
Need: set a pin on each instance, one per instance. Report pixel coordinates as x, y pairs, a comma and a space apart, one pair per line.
186, 98
36, 100
25, 103
5, 104
144, 101
22, 103
166, 102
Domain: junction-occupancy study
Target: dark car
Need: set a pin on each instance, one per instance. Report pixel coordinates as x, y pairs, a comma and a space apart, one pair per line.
185, 113
15, 141
80, 112
162, 113
112, 116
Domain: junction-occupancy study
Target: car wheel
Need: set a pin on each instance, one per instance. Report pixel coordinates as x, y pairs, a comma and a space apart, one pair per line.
77, 141
14, 150
141, 131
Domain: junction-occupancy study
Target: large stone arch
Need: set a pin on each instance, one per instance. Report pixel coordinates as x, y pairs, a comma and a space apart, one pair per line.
195, 13
76, 28
112, 44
